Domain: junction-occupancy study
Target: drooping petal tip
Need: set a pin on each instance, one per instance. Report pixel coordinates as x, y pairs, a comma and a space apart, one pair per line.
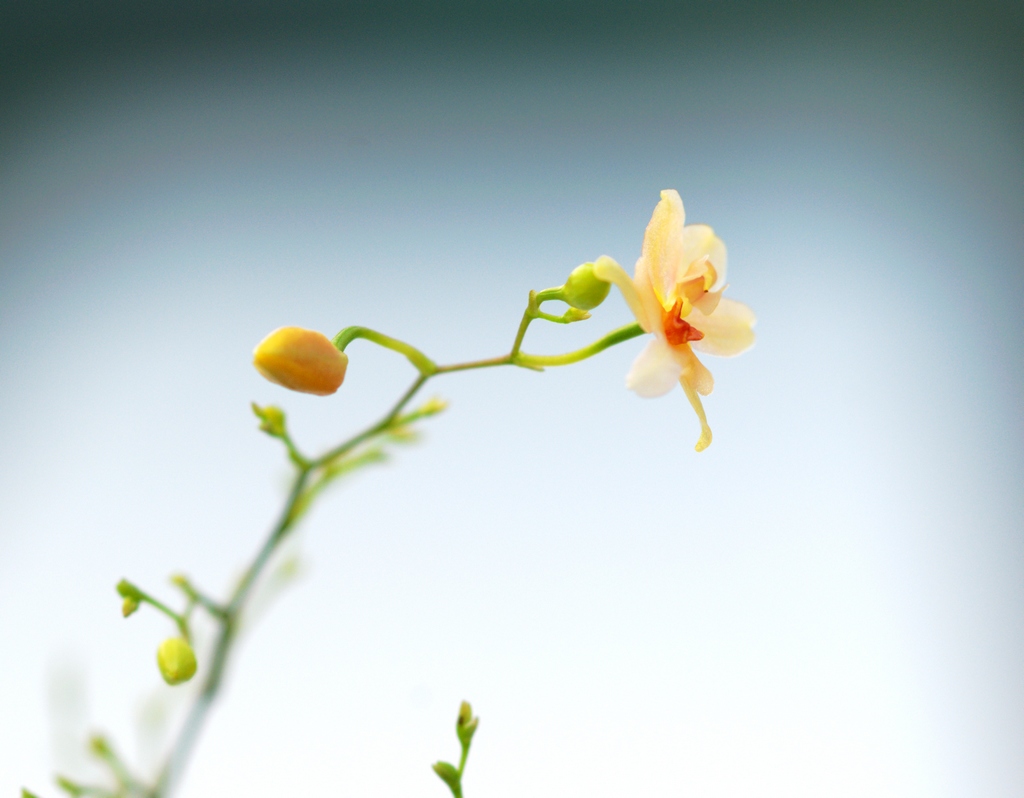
704, 441
301, 360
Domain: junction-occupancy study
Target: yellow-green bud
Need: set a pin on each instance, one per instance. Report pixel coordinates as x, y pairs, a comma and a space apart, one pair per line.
127, 590
301, 360
176, 659
272, 419
584, 290
433, 406
465, 726
449, 775
129, 606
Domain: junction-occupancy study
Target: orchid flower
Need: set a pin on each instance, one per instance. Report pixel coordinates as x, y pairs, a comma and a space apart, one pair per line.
676, 294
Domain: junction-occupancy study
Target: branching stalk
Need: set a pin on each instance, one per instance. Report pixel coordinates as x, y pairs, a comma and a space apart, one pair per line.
311, 475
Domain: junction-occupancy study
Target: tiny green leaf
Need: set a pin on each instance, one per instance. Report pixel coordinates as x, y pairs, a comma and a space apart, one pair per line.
129, 606
272, 418
450, 776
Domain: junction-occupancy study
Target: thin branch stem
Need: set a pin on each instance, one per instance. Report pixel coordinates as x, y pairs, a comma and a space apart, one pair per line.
422, 363
181, 621
228, 615
229, 627
198, 597
611, 339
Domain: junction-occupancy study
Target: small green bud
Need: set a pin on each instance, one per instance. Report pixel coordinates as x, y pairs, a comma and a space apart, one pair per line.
449, 775
128, 590
433, 406
98, 745
272, 418
465, 726
129, 606
26, 794
584, 290
176, 659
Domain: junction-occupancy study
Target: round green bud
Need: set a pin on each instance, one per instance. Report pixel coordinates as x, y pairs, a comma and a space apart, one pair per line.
584, 290
176, 659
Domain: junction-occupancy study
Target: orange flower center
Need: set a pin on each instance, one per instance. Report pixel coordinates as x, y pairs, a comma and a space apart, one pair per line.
679, 331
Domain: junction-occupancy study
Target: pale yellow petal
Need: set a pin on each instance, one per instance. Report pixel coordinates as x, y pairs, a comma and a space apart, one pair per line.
700, 247
654, 371
662, 251
704, 441
695, 372
653, 310
611, 272
727, 332
698, 240
718, 257
707, 303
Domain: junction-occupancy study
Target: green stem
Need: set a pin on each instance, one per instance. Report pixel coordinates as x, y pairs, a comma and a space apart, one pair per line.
422, 363
294, 454
229, 628
229, 614
504, 360
126, 781
71, 788
180, 621
197, 597
376, 429
611, 339
536, 299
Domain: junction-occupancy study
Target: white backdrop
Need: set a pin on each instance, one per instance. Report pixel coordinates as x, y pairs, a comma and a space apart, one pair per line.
826, 602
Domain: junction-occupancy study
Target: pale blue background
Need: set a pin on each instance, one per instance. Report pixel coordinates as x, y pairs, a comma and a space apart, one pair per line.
826, 602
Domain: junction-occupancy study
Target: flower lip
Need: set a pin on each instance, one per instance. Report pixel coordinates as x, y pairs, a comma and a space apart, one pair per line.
677, 330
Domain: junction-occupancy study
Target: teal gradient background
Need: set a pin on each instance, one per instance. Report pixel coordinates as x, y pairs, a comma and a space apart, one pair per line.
829, 601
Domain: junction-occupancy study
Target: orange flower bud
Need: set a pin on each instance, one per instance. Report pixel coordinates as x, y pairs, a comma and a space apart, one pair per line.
301, 360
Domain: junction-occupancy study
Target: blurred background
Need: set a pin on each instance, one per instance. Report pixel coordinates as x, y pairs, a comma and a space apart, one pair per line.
828, 602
